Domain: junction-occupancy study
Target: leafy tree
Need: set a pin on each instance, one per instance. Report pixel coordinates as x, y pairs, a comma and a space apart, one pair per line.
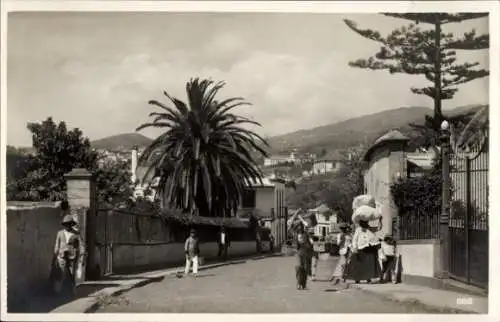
113, 182
57, 152
431, 53
307, 193
16, 164
207, 159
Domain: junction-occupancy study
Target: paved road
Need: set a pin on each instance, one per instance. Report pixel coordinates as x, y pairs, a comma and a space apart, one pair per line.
257, 286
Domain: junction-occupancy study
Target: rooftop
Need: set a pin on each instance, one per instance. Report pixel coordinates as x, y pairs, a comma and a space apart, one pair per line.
391, 136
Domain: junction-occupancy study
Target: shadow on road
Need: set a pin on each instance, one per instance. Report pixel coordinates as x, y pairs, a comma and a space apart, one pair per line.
46, 301
144, 282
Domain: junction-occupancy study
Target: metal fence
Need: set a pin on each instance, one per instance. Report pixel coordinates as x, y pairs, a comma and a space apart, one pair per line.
417, 225
468, 224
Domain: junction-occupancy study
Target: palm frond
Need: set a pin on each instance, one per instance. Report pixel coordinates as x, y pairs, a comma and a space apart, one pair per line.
206, 160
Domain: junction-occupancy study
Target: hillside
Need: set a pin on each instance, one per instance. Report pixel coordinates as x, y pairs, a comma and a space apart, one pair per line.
338, 136
122, 141
352, 132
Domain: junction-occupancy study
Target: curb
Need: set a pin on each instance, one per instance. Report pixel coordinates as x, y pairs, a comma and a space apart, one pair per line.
116, 291
414, 301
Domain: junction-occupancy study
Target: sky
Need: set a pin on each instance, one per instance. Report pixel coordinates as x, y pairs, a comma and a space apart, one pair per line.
97, 71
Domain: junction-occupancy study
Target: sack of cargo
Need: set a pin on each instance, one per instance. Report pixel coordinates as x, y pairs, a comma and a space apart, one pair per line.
363, 200
365, 213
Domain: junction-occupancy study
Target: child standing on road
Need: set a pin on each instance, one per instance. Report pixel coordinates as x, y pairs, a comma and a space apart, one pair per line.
315, 256
388, 256
192, 250
344, 242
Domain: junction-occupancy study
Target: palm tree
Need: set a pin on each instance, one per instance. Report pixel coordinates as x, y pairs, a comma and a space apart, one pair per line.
469, 135
205, 157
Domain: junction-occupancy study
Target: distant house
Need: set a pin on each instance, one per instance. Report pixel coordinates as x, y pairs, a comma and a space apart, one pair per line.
325, 166
276, 160
264, 200
417, 163
325, 217
292, 158
146, 184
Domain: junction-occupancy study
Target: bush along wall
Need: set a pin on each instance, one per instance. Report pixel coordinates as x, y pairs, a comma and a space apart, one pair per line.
418, 200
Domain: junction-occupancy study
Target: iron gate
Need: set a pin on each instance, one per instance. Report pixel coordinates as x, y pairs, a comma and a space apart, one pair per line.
468, 225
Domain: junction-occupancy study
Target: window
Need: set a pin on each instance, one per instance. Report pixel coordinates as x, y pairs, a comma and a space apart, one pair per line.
248, 199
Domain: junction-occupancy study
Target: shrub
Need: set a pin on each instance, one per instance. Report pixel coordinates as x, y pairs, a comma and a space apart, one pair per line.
418, 195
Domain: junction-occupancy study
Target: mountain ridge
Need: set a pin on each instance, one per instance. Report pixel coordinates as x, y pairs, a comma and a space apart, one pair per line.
121, 141
352, 132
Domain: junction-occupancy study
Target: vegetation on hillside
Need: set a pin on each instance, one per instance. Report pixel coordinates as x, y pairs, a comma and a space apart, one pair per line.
207, 155
350, 133
336, 190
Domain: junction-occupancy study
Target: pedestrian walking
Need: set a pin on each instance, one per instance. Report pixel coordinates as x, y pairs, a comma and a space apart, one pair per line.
344, 241
69, 251
192, 250
315, 256
223, 243
304, 250
271, 242
388, 255
364, 264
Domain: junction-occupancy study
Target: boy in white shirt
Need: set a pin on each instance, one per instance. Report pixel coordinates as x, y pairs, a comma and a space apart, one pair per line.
344, 240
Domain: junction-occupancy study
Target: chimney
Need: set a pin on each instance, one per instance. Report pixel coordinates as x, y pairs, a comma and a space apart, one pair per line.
134, 163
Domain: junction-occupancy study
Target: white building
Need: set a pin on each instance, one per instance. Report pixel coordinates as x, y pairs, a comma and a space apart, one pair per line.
325, 166
326, 218
266, 201
280, 159
275, 160
144, 187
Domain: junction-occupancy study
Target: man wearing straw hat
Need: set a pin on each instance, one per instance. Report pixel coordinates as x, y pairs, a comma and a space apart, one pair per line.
68, 252
192, 250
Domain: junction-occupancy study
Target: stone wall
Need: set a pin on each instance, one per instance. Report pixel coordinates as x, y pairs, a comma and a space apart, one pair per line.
420, 257
137, 256
31, 233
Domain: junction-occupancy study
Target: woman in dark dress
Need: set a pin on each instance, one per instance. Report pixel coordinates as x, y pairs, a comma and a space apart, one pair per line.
364, 261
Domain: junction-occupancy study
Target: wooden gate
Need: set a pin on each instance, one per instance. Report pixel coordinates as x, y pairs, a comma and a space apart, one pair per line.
468, 225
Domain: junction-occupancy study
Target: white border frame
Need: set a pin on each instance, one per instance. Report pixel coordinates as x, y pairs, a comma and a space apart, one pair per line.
265, 6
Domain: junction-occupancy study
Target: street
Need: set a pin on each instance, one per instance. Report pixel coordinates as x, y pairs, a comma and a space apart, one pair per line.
257, 286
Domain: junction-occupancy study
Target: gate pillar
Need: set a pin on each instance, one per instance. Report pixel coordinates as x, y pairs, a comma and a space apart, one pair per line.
82, 198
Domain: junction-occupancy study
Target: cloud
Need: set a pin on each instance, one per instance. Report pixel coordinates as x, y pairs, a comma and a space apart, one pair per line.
103, 87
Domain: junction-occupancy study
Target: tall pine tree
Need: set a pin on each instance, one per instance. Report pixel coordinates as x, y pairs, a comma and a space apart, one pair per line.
431, 53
